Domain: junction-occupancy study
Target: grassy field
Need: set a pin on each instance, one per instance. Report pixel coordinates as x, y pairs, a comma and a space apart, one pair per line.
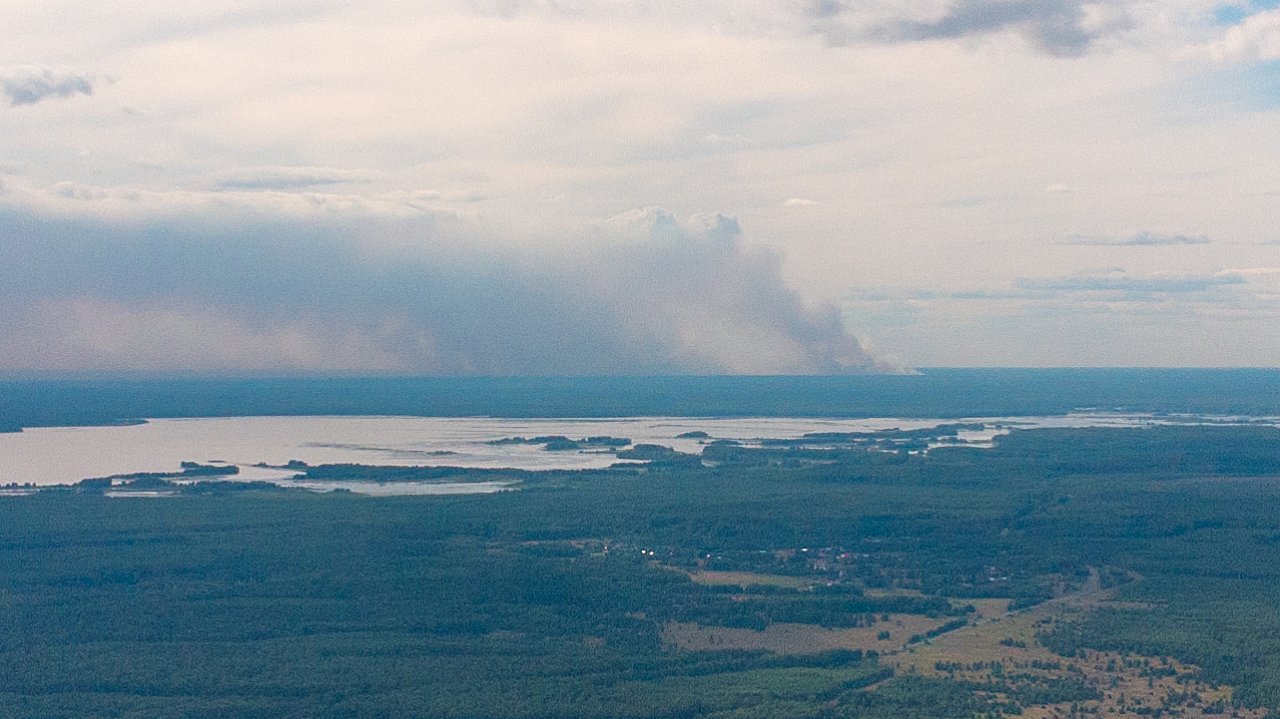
997, 650
746, 579
788, 638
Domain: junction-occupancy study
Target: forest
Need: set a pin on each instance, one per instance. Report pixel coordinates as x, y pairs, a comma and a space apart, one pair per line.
772, 581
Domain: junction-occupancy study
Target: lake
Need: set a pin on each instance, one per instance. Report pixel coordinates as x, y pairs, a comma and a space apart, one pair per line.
47, 456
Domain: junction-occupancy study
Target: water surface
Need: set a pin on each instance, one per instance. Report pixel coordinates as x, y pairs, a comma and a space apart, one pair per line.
64, 455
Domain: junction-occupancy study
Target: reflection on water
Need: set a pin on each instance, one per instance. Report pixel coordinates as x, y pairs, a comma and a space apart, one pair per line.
390, 489
64, 455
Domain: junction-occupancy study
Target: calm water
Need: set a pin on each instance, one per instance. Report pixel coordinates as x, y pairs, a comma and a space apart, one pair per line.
64, 455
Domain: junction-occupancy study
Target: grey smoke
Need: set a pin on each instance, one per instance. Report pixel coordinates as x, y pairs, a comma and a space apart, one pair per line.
647, 294
30, 85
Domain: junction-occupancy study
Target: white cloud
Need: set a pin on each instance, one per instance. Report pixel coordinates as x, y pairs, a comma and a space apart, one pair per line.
1257, 37
1251, 272
1142, 238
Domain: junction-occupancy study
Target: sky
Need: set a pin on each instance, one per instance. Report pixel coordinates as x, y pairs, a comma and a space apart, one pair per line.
562, 187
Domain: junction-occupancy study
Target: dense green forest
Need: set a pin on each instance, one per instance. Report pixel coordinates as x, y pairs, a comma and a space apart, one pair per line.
559, 599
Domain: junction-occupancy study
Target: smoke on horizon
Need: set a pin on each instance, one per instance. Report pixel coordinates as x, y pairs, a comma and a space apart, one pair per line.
325, 284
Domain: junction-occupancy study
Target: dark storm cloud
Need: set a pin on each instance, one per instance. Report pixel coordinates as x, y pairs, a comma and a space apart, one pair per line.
424, 294
30, 85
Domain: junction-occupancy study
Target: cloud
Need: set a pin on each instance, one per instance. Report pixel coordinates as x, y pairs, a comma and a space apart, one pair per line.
1057, 189
1061, 28
1251, 272
28, 84
1257, 37
1127, 284
1202, 313
108, 280
1079, 290
799, 202
512, 8
1143, 238
289, 178
715, 138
